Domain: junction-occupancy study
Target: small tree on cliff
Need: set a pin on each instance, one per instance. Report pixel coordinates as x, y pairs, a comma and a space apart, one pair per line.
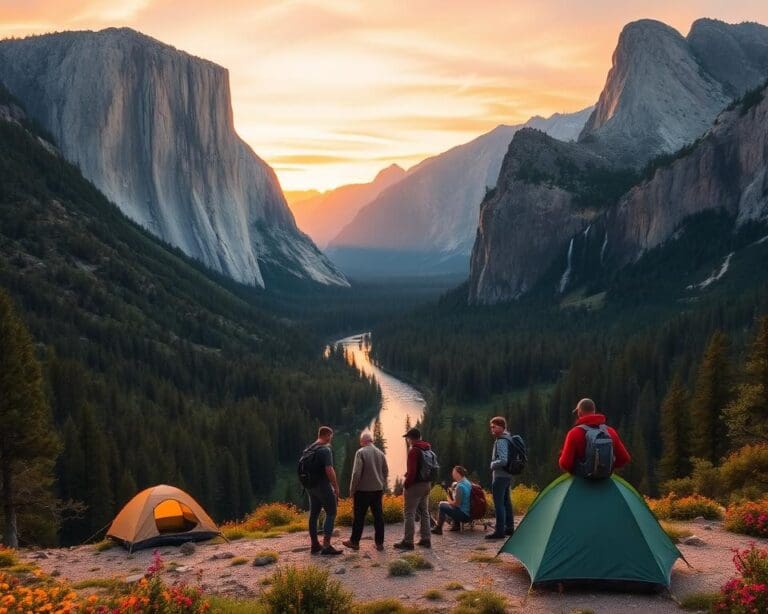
28, 444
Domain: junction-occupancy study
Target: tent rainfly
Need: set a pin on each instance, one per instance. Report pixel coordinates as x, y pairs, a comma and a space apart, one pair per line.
596, 531
161, 515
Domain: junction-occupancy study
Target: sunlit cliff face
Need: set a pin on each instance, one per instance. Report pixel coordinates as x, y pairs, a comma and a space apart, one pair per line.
329, 92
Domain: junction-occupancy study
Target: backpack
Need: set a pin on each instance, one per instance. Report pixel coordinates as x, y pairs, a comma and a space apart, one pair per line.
598, 454
517, 456
308, 469
477, 503
428, 467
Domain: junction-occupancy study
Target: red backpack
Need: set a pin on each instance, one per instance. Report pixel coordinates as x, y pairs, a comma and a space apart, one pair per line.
477, 503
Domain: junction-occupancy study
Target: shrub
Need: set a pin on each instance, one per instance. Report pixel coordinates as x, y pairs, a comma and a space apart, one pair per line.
433, 594
240, 560
699, 602
274, 515
232, 533
743, 473
383, 606
705, 479
682, 487
306, 589
480, 602
230, 605
749, 517
436, 495
482, 557
522, 497
8, 557
417, 561
14, 593
685, 508
400, 567
454, 586
748, 592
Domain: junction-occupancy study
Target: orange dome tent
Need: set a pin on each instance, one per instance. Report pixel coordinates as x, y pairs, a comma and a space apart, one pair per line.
161, 515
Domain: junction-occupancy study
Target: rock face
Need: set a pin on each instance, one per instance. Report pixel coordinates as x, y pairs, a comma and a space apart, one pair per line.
432, 212
664, 90
657, 98
152, 128
529, 215
324, 215
727, 169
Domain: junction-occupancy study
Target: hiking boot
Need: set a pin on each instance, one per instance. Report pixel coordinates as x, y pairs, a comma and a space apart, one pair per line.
379, 547
509, 531
330, 550
437, 531
348, 543
495, 536
456, 526
425, 543
403, 546
315, 549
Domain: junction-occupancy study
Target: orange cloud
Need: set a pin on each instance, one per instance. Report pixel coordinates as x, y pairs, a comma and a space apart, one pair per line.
329, 91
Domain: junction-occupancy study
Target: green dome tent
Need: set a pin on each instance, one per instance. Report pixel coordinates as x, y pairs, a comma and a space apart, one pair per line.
593, 530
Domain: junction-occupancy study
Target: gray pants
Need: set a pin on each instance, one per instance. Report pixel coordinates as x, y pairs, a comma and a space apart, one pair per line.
416, 499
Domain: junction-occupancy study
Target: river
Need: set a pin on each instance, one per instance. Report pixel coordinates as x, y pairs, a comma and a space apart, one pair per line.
399, 402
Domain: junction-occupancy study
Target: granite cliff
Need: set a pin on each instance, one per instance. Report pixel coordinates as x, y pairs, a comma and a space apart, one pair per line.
152, 128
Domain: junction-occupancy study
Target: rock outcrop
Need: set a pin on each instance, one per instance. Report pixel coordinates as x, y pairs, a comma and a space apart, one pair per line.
658, 97
530, 214
432, 212
727, 169
152, 128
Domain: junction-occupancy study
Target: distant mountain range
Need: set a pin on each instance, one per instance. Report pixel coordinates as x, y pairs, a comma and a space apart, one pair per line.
152, 128
662, 93
425, 222
322, 215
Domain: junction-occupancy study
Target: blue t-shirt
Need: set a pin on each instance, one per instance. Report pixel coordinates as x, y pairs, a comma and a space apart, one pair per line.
464, 487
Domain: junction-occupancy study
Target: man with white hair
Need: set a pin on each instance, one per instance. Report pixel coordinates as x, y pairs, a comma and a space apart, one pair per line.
369, 479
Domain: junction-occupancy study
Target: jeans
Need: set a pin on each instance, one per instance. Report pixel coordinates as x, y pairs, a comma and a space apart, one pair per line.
445, 509
361, 502
321, 497
416, 499
505, 519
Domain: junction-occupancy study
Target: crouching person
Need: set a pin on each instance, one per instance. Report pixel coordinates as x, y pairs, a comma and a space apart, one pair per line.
458, 506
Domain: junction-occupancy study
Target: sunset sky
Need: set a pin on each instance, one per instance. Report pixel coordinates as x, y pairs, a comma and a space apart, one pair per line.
331, 91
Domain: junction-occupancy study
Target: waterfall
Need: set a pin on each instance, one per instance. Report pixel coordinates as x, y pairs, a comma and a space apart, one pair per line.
567, 274
602, 249
586, 232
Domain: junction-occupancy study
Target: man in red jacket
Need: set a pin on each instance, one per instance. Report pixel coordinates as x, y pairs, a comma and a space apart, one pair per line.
576, 441
415, 494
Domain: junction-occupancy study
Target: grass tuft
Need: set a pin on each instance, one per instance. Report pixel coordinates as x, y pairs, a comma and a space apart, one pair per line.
417, 561
697, 602
399, 568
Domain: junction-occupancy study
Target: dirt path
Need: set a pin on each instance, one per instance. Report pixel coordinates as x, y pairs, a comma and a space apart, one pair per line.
365, 572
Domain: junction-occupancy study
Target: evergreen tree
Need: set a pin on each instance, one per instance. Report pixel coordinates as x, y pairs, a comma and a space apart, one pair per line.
712, 393
674, 461
28, 444
378, 435
747, 416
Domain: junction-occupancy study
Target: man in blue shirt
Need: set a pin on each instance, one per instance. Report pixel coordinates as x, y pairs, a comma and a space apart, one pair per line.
457, 509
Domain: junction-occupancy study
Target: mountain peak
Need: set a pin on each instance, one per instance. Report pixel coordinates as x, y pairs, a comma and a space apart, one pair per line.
390, 174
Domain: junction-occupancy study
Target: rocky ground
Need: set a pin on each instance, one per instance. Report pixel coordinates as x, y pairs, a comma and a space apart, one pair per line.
464, 557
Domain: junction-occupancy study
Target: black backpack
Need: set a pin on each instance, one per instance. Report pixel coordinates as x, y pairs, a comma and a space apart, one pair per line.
598, 453
308, 468
517, 456
428, 467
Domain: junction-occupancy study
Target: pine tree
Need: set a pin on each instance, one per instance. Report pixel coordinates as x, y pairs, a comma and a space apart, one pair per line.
674, 462
28, 443
711, 395
747, 415
378, 435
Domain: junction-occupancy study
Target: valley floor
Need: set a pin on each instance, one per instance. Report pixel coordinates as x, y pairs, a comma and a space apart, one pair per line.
365, 572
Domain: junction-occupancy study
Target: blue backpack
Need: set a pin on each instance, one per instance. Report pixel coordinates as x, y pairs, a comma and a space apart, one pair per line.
598, 454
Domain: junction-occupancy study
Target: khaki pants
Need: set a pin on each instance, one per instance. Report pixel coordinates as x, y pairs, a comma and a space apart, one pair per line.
416, 499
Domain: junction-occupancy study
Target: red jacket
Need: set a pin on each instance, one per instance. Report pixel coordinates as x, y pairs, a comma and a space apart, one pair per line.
576, 443
414, 461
